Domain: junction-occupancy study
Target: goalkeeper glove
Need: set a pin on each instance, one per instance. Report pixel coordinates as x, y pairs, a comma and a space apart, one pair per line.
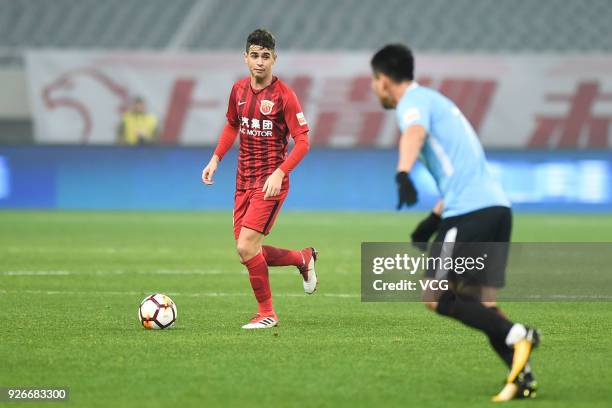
407, 194
426, 228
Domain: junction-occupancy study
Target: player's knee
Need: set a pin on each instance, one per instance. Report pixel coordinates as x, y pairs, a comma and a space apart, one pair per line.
246, 250
431, 305
429, 298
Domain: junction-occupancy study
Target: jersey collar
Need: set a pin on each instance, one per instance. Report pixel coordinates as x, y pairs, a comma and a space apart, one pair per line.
256, 91
413, 85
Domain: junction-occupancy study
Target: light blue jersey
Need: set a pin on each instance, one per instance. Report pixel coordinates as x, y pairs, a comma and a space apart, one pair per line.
452, 152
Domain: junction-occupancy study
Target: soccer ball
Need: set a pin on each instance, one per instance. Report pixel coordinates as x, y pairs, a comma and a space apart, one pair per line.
157, 312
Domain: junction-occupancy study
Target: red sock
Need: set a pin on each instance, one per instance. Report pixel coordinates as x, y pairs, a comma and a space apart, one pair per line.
258, 275
282, 257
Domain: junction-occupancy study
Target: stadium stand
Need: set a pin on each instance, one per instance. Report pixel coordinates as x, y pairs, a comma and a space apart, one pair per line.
459, 25
445, 26
91, 23
432, 25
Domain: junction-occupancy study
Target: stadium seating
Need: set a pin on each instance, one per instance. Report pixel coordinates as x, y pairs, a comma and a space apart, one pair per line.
432, 25
91, 23
458, 25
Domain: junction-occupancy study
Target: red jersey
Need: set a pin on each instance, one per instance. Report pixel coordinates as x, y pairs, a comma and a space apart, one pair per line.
266, 118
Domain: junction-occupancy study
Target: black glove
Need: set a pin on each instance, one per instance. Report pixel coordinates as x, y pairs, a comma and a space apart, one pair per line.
426, 228
407, 194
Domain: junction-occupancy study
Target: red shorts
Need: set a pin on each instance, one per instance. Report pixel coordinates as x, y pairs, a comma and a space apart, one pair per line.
253, 212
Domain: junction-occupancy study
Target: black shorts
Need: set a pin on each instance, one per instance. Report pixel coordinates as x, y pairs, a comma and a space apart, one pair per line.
482, 236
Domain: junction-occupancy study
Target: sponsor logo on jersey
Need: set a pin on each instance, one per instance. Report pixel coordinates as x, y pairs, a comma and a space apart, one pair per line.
301, 119
256, 127
265, 106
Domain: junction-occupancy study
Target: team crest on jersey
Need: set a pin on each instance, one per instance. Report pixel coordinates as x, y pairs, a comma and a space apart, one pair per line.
265, 106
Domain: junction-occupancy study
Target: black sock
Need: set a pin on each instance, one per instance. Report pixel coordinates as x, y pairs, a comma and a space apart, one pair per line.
503, 351
499, 344
471, 312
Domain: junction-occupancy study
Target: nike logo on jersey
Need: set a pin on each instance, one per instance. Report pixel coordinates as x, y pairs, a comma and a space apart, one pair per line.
241, 103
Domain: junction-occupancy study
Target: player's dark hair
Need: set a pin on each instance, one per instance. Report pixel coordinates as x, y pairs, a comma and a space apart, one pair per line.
261, 37
395, 61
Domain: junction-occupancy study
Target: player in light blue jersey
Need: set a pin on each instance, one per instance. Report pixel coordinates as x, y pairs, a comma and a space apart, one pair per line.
450, 151
473, 212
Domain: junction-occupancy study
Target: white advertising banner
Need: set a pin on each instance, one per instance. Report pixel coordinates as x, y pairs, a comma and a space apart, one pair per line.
545, 101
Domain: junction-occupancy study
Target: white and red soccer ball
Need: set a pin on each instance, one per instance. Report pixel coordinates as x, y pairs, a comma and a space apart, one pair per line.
157, 311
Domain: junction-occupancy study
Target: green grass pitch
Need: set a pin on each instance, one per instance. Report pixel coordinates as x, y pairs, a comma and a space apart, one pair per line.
71, 282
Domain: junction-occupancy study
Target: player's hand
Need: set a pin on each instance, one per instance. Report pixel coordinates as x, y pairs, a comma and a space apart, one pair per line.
407, 194
423, 232
273, 184
209, 170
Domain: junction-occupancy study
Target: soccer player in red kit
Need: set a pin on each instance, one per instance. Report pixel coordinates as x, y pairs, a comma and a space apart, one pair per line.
264, 111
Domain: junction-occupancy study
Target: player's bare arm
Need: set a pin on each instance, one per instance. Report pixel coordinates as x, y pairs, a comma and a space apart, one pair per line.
437, 209
410, 145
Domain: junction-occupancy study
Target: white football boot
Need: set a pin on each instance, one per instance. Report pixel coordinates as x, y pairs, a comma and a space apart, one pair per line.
262, 322
307, 271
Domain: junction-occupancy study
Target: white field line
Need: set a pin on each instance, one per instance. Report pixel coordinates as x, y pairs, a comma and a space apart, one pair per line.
535, 298
36, 273
140, 293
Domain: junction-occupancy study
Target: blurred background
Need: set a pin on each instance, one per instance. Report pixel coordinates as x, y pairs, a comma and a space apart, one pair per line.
117, 104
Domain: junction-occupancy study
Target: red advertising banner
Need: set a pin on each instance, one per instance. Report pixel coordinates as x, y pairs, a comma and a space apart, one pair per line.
518, 101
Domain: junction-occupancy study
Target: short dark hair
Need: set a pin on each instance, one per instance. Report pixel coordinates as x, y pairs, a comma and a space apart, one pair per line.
395, 61
261, 37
